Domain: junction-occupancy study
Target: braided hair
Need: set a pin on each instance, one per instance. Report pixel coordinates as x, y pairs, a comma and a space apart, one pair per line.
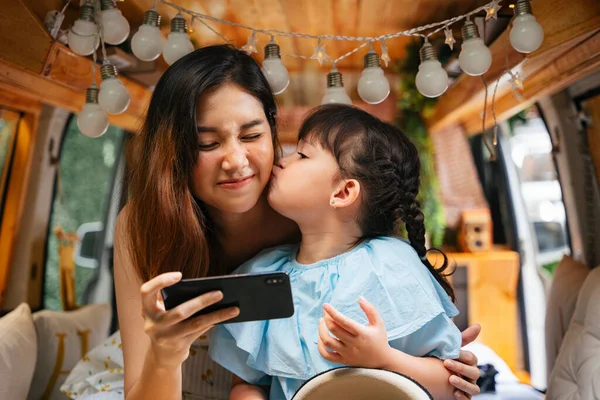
387, 165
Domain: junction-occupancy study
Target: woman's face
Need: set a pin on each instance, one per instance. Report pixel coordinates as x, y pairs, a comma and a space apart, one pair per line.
235, 154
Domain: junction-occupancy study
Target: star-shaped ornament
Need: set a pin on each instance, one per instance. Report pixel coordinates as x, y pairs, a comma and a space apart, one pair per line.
251, 46
492, 9
516, 81
385, 56
449, 38
320, 54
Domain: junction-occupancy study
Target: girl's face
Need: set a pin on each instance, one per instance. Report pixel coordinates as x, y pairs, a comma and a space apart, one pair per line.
303, 183
235, 154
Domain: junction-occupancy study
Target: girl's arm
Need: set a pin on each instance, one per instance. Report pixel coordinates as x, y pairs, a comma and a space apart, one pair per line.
241, 390
368, 346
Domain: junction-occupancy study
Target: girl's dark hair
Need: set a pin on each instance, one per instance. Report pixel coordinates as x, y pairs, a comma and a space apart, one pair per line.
387, 165
167, 227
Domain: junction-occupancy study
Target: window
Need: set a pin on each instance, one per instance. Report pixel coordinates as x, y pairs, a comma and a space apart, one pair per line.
9, 121
531, 152
87, 174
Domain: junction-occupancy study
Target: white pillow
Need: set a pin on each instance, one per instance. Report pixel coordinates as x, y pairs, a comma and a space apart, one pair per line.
18, 350
63, 339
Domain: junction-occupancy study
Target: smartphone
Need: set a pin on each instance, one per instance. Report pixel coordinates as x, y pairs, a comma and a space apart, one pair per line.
261, 296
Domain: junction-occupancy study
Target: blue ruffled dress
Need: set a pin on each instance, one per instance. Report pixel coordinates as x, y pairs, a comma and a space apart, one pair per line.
387, 271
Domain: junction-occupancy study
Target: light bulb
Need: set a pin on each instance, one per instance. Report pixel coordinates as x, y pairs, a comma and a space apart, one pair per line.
83, 35
475, 58
526, 35
432, 79
113, 97
115, 27
178, 43
147, 43
274, 70
335, 92
373, 86
92, 121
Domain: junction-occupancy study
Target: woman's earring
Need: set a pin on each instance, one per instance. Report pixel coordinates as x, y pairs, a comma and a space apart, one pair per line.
333, 203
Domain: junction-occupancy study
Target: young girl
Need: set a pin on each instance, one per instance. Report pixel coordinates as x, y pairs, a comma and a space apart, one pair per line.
351, 181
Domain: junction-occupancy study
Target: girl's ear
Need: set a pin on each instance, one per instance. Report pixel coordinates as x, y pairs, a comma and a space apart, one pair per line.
345, 193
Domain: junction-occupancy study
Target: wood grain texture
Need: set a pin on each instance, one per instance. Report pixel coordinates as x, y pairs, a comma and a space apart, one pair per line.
564, 57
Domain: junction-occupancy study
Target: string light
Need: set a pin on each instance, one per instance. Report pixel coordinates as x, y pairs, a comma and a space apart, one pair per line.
449, 38
432, 79
115, 27
178, 43
191, 30
492, 9
526, 35
373, 86
475, 58
252, 45
385, 57
83, 36
320, 55
274, 70
147, 43
515, 80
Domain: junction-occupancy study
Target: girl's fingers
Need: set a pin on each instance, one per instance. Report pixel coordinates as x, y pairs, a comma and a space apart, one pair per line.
329, 341
336, 330
326, 354
348, 324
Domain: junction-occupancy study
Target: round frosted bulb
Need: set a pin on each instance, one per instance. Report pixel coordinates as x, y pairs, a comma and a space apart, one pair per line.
147, 43
92, 121
115, 28
526, 35
113, 96
178, 45
373, 86
336, 95
82, 37
475, 58
432, 79
276, 74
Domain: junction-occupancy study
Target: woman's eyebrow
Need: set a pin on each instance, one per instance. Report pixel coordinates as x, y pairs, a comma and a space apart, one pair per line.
244, 127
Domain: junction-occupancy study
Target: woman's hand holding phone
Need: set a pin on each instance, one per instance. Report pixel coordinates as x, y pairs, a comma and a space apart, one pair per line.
170, 331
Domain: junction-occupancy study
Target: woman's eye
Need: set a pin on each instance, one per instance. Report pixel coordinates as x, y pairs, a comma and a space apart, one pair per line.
206, 147
250, 138
302, 155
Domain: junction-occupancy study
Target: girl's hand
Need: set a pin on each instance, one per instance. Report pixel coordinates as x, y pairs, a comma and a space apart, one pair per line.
170, 332
354, 344
464, 370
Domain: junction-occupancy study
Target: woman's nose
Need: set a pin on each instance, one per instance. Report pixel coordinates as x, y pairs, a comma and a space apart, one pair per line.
236, 158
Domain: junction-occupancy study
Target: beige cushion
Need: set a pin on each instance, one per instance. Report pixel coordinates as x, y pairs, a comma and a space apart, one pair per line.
567, 281
361, 383
576, 374
63, 339
18, 349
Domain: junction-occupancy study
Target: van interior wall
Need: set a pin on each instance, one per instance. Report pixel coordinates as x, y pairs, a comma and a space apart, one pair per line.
565, 129
27, 269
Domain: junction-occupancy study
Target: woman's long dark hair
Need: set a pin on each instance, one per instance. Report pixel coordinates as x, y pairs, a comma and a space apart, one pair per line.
167, 227
387, 165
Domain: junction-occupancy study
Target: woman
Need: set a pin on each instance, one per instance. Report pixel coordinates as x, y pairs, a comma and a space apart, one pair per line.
198, 206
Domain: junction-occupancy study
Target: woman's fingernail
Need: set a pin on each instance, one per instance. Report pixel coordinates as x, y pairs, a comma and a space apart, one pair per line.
234, 312
449, 363
453, 379
218, 295
458, 395
176, 276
